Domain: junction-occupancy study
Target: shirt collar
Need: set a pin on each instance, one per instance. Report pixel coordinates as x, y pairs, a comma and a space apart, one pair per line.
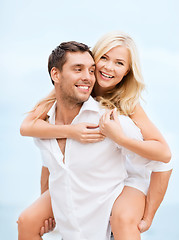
90, 105
51, 112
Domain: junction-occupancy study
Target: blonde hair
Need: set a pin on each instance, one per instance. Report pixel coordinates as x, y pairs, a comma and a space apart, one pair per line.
51, 98
127, 93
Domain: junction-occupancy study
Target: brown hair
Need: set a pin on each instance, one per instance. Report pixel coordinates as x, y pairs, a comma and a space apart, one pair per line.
57, 59
58, 56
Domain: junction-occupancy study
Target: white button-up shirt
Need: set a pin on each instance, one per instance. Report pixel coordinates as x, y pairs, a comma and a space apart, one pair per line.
84, 187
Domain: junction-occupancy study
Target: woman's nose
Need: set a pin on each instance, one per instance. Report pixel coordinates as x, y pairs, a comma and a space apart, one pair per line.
109, 66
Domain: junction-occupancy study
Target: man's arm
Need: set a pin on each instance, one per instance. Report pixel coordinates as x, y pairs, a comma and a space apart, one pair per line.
156, 192
49, 224
44, 179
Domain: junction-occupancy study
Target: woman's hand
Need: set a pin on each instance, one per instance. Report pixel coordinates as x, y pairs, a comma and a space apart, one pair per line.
49, 226
144, 225
110, 126
85, 133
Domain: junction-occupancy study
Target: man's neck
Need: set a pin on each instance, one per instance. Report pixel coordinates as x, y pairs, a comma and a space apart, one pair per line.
66, 112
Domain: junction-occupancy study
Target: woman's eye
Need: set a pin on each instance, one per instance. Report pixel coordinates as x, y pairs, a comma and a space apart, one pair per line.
77, 69
103, 57
119, 63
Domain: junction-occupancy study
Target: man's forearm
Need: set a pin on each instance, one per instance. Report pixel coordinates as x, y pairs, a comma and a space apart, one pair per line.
157, 189
44, 179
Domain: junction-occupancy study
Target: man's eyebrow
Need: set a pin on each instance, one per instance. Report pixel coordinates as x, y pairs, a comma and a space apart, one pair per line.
82, 65
77, 65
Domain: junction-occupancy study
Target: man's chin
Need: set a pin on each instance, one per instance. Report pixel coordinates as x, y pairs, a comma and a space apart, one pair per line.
84, 99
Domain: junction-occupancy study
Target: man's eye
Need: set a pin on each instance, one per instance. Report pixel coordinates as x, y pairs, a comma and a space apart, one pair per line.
77, 69
91, 71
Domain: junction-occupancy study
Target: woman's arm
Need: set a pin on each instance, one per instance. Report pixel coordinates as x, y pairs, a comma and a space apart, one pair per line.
35, 126
154, 143
154, 146
147, 148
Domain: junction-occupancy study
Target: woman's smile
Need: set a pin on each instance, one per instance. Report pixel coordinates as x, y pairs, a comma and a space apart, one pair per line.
112, 67
105, 75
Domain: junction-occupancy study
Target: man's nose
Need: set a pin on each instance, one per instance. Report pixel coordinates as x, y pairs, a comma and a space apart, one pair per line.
86, 75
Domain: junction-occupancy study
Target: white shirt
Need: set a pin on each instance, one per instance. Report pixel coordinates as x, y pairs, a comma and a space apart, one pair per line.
85, 186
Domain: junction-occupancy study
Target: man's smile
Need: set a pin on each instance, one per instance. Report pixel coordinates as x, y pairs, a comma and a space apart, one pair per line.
83, 87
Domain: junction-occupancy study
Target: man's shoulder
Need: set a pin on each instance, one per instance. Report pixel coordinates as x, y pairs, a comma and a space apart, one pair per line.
91, 105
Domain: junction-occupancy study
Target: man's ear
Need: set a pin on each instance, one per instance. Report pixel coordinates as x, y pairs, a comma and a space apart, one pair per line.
55, 74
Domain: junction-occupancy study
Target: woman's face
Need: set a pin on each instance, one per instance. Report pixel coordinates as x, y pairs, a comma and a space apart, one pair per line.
112, 67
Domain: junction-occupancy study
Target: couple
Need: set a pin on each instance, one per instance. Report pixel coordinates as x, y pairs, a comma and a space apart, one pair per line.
99, 154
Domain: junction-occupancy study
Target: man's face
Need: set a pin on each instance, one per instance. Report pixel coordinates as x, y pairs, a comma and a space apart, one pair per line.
77, 77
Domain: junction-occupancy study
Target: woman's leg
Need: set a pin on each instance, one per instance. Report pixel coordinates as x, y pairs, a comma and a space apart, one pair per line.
32, 219
127, 212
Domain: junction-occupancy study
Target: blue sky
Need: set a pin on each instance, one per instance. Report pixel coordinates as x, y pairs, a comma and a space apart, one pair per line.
31, 29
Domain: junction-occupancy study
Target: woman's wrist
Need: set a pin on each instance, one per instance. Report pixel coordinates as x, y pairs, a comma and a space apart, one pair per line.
122, 140
68, 131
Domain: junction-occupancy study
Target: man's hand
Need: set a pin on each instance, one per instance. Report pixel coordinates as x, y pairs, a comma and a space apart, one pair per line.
44, 179
157, 189
49, 225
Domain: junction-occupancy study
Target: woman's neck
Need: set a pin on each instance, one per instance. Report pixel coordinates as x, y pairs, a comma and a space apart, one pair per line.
98, 91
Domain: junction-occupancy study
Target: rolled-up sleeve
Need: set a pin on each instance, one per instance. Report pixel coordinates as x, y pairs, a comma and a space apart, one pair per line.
45, 154
132, 131
155, 166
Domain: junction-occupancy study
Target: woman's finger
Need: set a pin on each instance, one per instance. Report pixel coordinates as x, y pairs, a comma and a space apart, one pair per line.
91, 125
93, 131
107, 116
93, 140
94, 136
115, 115
46, 226
102, 119
50, 224
42, 231
53, 223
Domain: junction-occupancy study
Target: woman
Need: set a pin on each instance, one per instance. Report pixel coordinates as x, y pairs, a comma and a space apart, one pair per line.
119, 85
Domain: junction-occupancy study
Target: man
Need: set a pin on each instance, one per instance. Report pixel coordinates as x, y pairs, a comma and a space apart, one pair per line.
85, 179
80, 170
